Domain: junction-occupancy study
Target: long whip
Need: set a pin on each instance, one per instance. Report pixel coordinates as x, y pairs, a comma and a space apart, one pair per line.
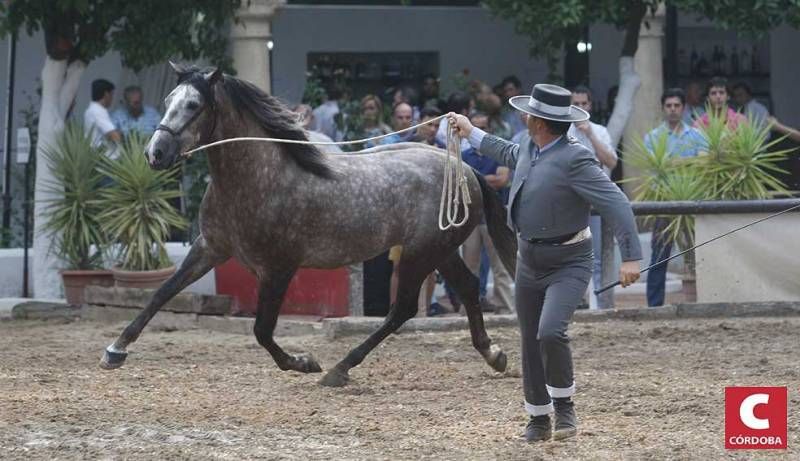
664, 261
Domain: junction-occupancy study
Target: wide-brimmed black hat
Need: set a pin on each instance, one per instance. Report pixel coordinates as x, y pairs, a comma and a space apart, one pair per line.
550, 102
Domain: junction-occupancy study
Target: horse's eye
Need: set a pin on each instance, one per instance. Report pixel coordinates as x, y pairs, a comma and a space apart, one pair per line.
191, 105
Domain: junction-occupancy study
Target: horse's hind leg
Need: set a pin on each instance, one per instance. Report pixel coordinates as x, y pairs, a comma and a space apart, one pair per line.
412, 272
467, 287
272, 289
198, 262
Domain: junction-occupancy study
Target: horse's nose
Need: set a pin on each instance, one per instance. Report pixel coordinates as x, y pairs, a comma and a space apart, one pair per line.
158, 154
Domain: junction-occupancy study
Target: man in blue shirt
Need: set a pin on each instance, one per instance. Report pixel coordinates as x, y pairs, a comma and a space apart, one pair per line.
684, 141
402, 118
135, 116
498, 177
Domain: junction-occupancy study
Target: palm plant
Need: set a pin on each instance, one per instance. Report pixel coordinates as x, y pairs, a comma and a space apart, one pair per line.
665, 177
137, 213
739, 164
73, 218
734, 164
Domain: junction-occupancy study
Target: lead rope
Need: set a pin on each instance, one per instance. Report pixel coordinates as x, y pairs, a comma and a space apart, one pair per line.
454, 186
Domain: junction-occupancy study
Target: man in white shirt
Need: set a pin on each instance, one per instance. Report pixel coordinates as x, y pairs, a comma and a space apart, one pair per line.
595, 138
752, 109
306, 119
97, 121
325, 114
460, 103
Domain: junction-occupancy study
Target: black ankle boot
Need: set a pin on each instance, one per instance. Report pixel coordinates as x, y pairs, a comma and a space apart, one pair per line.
538, 429
566, 422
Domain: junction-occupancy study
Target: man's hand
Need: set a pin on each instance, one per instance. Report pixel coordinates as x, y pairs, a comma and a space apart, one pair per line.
584, 127
628, 273
461, 123
500, 179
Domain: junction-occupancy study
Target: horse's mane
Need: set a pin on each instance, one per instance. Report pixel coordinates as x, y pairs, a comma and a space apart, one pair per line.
270, 113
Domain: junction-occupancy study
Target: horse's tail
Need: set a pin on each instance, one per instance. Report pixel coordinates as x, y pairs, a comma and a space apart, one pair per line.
505, 242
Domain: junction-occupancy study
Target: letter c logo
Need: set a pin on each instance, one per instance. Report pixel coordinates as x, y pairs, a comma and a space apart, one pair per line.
746, 411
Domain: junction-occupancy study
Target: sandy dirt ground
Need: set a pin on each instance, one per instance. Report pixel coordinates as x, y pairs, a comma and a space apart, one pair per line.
650, 390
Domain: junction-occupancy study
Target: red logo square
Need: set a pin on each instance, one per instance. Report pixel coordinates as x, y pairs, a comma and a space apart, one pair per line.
755, 418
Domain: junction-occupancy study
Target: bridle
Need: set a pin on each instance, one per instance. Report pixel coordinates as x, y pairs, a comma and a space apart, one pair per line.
192, 119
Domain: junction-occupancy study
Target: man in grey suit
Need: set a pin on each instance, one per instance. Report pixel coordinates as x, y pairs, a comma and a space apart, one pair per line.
557, 180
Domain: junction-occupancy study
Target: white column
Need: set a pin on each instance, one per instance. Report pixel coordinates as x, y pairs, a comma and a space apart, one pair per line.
649, 66
249, 37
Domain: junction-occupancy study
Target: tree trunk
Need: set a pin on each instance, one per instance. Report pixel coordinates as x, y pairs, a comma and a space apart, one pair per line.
629, 80
59, 86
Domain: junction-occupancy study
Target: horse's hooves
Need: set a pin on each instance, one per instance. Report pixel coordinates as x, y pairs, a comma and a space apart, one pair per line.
113, 359
496, 358
500, 362
334, 378
306, 363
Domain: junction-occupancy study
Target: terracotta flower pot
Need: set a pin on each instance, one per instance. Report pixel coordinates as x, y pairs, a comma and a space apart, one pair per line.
141, 279
76, 281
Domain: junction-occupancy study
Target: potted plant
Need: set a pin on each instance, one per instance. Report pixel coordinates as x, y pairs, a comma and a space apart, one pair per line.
73, 223
137, 215
734, 164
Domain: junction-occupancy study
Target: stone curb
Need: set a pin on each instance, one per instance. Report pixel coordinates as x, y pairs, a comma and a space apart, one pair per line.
38, 310
169, 321
347, 326
334, 328
140, 298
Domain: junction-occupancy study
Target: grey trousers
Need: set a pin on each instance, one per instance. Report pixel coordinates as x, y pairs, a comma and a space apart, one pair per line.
550, 283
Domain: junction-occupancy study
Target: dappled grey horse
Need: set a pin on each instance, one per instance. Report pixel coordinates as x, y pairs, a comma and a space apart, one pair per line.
278, 207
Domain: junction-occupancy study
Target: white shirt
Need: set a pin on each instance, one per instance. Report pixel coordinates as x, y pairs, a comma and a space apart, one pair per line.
97, 124
324, 117
601, 133
756, 111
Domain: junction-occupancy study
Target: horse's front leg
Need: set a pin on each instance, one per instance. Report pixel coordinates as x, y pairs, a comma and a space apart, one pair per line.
272, 289
198, 262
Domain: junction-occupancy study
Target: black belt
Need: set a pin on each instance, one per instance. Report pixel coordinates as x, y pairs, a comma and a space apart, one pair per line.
552, 240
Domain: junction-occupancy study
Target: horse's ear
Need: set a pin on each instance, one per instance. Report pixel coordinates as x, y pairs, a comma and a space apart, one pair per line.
177, 68
214, 76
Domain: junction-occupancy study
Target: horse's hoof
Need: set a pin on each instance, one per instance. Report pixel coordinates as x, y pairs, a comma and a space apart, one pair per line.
496, 358
334, 378
305, 363
500, 362
112, 359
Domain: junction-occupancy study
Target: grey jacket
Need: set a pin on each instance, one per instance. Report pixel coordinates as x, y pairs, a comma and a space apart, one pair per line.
551, 196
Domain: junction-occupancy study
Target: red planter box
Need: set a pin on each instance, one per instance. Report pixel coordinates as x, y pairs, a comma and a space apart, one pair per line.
323, 293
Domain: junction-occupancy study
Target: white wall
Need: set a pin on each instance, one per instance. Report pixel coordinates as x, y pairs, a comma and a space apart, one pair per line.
604, 59
11, 262
11, 271
756, 264
464, 37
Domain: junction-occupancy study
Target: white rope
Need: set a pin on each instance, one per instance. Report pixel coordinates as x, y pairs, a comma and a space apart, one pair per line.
319, 143
454, 186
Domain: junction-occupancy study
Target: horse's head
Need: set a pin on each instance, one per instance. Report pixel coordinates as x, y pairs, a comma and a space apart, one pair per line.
189, 119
